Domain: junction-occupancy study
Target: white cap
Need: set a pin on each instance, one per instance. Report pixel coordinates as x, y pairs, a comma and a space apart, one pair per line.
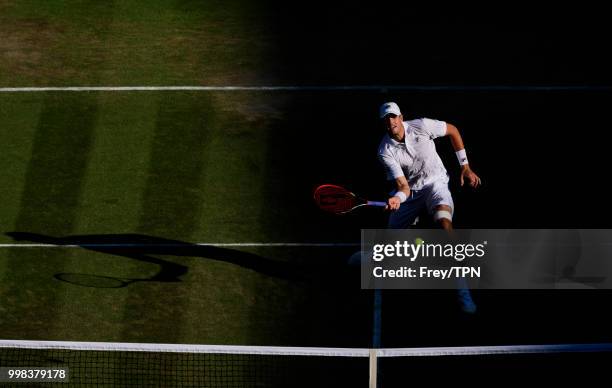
389, 108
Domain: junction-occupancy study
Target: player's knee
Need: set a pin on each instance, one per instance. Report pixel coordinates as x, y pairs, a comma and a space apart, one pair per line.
443, 215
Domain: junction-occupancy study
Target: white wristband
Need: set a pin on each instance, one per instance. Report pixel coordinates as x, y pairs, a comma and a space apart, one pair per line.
462, 157
401, 195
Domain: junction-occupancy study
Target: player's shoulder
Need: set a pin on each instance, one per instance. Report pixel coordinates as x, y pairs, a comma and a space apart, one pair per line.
419, 123
414, 126
424, 125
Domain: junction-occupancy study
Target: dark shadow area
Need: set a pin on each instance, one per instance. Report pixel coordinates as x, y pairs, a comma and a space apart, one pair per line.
573, 369
141, 248
532, 149
520, 142
337, 42
504, 317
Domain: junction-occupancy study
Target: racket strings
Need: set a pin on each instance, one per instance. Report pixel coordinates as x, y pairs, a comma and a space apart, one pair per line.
335, 199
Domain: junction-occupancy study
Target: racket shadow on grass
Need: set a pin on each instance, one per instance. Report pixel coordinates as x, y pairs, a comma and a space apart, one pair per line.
141, 248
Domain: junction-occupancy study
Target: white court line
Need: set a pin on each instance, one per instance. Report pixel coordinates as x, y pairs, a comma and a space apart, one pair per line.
127, 245
474, 88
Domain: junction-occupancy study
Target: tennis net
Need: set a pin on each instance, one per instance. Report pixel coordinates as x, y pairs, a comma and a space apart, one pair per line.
164, 365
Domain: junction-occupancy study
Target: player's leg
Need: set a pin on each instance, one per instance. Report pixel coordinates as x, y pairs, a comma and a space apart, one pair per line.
440, 203
406, 216
443, 216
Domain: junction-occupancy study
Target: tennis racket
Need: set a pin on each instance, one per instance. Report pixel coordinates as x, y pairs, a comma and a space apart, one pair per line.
338, 200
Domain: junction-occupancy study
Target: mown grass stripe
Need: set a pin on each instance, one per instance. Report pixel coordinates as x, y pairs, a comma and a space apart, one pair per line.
49, 204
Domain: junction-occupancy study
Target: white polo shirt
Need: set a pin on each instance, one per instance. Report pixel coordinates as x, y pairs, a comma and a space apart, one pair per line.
416, 157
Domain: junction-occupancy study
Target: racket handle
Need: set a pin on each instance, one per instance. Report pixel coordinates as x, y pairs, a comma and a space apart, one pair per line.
376, 203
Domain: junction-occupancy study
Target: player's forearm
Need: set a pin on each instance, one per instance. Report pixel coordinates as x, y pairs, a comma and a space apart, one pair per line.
458, 146
455, 137
401, 194
404, 188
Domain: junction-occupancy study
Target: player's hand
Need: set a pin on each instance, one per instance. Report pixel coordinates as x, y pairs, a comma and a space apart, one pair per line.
468, 175
393, 203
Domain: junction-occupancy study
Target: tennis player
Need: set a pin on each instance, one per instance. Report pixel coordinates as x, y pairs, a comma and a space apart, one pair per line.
408, 153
